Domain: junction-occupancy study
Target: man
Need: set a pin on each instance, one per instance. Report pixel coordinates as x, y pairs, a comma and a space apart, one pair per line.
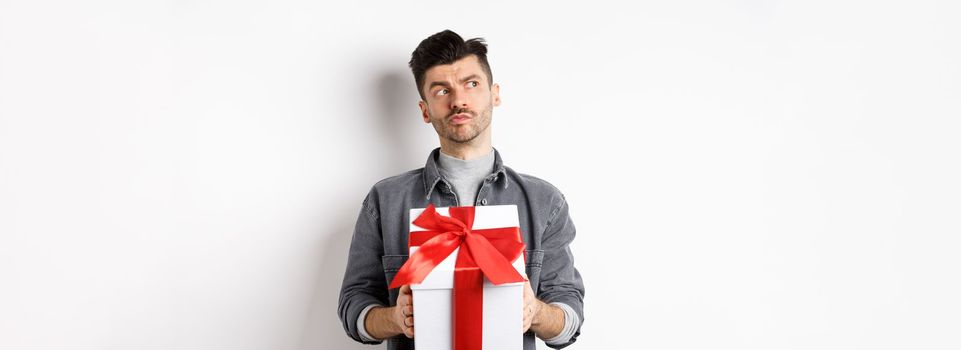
457, 97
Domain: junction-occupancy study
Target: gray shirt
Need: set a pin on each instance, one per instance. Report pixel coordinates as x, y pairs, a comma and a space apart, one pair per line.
379, 244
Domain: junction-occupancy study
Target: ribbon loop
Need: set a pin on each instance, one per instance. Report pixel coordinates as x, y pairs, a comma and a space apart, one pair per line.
492, 250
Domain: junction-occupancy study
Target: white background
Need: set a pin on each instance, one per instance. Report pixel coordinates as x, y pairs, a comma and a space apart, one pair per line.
747, 175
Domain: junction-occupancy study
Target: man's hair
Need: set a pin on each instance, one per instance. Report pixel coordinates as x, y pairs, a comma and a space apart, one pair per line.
445, 48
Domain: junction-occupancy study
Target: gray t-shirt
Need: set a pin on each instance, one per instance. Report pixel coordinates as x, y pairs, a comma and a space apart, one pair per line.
466, 175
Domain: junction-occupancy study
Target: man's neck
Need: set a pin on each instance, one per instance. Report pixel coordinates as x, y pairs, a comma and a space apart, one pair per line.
466, 151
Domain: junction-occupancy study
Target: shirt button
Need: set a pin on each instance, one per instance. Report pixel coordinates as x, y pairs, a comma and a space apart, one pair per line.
484, 201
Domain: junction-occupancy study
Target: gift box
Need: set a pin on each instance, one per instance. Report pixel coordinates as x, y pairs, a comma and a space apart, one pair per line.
466, 301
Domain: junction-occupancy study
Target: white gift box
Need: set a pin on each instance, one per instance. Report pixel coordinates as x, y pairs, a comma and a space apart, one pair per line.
503, 304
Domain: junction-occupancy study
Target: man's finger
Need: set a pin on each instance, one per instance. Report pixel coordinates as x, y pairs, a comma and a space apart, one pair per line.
405, 289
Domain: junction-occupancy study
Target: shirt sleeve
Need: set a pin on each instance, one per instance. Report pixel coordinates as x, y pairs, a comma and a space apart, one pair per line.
560, 282
364, 281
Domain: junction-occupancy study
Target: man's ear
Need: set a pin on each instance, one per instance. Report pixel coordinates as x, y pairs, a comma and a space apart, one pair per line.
423, 111
496, 94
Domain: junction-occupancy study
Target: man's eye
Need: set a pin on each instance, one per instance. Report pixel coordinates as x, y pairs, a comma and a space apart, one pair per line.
472, 83
441, 92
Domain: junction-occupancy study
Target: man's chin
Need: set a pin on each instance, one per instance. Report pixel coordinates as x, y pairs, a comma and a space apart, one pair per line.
461, 135
461, 139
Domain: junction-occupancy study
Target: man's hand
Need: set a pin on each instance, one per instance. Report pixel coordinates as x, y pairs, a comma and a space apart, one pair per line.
531, 306
385, 322
547, 321
404, 311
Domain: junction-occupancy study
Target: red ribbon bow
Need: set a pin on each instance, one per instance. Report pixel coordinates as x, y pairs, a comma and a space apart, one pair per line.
483, 252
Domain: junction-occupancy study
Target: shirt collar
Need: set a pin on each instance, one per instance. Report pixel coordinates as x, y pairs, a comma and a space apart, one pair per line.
432, 172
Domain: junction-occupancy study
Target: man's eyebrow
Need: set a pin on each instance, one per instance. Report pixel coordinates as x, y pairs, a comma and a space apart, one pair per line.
437, 83
444, 83
469, 78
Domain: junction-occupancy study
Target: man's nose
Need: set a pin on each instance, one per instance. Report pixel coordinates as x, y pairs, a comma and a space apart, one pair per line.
458, 100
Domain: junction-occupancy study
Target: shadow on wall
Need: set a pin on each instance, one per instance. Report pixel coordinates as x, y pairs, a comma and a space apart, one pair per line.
397, 116
402, 124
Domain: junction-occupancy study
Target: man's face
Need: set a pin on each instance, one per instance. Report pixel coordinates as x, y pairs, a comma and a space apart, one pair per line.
458, 99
